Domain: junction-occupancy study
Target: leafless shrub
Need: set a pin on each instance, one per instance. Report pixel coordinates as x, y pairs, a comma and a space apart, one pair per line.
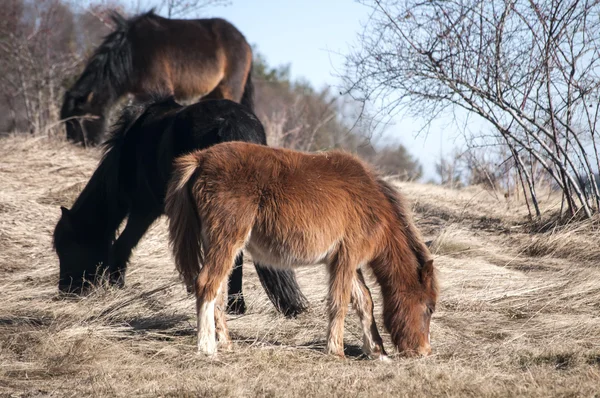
42, 45
297, 116
36, 43
528, 68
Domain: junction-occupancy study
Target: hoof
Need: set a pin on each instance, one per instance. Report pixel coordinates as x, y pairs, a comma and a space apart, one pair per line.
209, 350
226, 346
236, 306
376, 353
293, 312
335, 352
207, 356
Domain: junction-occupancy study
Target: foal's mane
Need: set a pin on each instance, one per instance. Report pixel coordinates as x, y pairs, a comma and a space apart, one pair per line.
413, 236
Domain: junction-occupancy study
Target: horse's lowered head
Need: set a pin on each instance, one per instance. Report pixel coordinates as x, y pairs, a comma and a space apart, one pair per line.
79, 254
409, 323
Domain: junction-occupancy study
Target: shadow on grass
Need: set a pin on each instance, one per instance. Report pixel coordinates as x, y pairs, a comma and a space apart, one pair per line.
167, 327
162, 327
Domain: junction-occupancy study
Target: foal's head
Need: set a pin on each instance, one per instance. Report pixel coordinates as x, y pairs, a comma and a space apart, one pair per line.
79, 256
409, 324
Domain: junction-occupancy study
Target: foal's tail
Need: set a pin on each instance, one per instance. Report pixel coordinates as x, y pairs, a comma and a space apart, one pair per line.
184, 223
248, 95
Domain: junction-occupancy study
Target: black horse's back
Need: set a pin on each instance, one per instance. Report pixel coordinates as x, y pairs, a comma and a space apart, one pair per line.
212, 122
140, 154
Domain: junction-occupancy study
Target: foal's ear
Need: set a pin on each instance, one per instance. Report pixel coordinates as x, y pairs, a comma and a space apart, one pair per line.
427, 272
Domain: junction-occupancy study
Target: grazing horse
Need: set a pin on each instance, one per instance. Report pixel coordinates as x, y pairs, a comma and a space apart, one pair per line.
188, 59
291, 208
131, 180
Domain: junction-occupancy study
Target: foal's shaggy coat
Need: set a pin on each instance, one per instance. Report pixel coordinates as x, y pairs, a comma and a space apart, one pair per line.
287, 209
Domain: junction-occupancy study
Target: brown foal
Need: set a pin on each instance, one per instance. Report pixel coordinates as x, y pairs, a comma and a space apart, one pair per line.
287, 209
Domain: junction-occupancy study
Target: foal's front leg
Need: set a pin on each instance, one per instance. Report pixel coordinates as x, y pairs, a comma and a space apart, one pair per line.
341, 274
363, 304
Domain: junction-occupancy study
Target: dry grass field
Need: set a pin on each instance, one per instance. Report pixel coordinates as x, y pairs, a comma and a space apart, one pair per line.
519, 314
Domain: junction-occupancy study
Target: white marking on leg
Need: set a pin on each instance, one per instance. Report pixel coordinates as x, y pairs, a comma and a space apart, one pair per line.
223, 338
364, 316
207, 342
333, 345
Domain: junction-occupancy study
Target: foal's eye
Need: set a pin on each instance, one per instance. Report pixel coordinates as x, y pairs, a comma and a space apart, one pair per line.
429, 310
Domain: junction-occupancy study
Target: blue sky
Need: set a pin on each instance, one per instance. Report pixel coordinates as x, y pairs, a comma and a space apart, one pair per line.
304, 33
312, 36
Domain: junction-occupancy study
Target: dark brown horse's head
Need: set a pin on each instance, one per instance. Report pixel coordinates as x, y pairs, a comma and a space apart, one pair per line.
104, 79
79, 256
84, 117
409, 324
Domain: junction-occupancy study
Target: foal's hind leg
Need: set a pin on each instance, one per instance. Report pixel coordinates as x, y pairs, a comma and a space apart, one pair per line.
221, 329
363, 304
218, 261
341, 274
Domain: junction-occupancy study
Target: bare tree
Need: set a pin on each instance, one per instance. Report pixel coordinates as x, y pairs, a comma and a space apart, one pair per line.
43, 46
36, 54
450, 169
530, 68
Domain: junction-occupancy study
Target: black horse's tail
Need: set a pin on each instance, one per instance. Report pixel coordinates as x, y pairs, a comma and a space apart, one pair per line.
282, 289
248, 95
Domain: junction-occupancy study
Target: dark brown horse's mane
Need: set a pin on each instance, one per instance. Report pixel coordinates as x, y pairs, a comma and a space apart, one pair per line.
110, 66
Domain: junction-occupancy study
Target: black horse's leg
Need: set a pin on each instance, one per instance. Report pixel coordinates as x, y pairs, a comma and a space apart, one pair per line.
235, 302
282, 288
137, 225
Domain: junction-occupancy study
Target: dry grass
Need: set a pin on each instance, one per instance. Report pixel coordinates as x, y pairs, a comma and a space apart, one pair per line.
509, 323
576, 241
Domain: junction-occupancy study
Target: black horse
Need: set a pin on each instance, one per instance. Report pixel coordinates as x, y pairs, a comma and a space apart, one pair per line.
131, 180
188, 59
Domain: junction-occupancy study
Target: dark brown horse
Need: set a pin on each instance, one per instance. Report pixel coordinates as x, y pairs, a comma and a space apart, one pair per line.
188, 59
290, 208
